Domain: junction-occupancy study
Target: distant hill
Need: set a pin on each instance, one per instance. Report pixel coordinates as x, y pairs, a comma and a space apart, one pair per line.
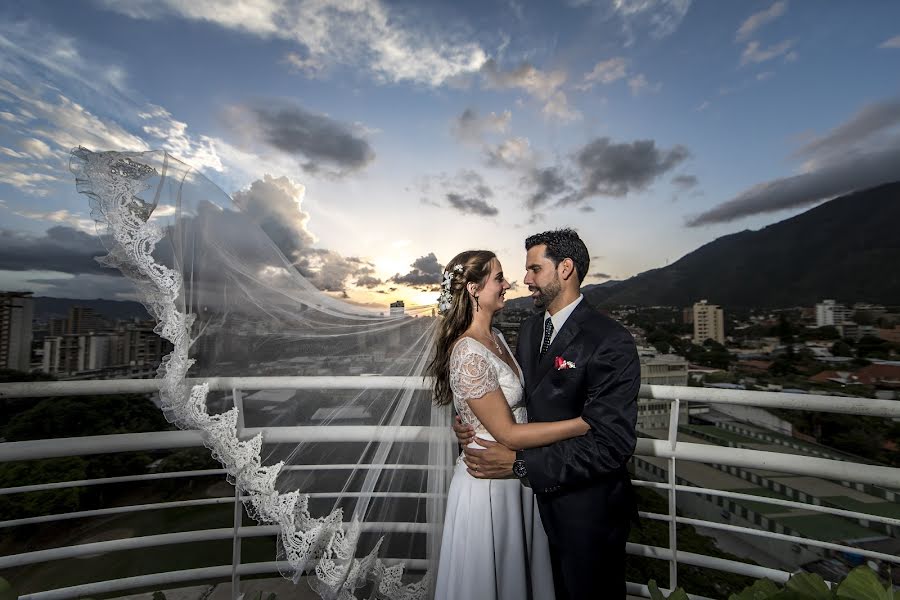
847, 249
46, 308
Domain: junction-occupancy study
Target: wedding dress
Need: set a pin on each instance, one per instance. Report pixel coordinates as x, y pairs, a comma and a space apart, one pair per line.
494, 546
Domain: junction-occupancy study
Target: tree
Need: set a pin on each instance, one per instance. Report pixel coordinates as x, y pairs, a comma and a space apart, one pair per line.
841, 348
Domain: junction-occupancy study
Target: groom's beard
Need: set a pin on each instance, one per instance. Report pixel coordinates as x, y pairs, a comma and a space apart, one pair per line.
547, 294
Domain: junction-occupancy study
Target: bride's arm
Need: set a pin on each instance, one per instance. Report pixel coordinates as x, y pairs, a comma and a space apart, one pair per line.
496, 416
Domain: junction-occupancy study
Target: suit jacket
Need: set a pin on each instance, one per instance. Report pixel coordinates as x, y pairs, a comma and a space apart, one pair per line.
602, 388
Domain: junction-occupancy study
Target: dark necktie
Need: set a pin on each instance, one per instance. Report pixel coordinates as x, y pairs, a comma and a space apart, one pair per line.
548, 331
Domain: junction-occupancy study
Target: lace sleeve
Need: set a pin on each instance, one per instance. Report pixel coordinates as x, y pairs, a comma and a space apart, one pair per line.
471, 373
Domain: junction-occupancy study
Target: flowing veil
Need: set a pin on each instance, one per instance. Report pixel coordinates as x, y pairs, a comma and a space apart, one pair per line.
351, 463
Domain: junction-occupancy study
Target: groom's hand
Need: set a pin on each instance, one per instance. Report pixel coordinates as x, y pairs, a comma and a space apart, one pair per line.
494, 462
465, 434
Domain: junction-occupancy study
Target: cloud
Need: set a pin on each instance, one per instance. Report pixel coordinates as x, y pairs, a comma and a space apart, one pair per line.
510, 153
685, 182
757, 20
366, 278
362, 34
471, 127
546, 184
320, 142
425, 270
612, 169
754, 54
545, 86
639, 85
600, 276
466, 192
860, 153
200, 153
605, 72
61, 216
854, 173
36, 148
472, 206
276, 205
893, 42
660, 18
60, 248
870, 120
86, 286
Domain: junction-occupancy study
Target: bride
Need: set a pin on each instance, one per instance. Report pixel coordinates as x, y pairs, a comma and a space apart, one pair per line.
493, 545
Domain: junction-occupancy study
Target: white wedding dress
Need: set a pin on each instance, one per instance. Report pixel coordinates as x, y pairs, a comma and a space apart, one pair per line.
494, 545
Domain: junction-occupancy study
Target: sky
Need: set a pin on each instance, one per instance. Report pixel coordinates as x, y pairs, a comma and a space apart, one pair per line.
387, 137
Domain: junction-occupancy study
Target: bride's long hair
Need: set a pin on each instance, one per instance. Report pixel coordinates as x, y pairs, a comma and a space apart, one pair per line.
476, 267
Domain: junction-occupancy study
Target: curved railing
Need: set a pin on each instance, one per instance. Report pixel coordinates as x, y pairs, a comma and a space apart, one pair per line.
845, 471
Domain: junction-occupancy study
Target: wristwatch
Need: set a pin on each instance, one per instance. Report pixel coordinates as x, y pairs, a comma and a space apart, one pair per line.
519, 469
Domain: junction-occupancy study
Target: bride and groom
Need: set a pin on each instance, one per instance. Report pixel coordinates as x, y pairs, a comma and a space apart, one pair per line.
540, 503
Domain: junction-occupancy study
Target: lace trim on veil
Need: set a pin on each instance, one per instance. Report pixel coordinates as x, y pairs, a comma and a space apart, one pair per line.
112, 181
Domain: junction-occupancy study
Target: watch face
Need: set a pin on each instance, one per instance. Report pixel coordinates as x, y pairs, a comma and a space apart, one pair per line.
519, 468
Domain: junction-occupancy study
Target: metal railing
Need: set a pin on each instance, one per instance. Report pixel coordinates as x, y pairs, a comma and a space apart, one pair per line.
669, 449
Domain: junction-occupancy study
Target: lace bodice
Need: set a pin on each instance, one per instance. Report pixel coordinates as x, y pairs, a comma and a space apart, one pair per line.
475, 371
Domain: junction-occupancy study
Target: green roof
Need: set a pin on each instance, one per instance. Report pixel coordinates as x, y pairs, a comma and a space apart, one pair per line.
826, 527
883, 509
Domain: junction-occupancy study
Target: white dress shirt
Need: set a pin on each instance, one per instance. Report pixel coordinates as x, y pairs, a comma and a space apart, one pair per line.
561, 316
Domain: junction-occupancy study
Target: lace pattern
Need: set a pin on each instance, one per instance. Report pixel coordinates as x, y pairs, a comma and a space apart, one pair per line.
112, 181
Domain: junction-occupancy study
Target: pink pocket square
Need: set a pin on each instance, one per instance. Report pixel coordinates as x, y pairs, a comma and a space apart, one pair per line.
560, 363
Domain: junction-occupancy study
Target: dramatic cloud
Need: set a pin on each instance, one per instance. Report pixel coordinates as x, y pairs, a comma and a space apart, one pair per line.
605, 72
365, 277
545, 86
870, 120
61, 249
858, 172
757, 20
893, 42
85, 285
510, 153
426, 270
360, 34
471, 127
860, 153
75, 221
611, 169
318, 141
753, 53
276, 205
200, 153
546, 184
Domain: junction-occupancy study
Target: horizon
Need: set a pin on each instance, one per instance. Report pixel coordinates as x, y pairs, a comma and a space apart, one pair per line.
392, 136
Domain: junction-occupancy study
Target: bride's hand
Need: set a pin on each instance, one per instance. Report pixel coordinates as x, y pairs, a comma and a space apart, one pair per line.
465, 434
494, 462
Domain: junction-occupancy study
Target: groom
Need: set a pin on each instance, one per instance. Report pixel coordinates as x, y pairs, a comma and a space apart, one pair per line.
576, 361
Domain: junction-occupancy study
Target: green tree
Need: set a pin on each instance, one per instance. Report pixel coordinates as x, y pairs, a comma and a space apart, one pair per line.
841, 348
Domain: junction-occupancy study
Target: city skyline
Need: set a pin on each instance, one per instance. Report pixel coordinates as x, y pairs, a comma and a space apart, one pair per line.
388, 137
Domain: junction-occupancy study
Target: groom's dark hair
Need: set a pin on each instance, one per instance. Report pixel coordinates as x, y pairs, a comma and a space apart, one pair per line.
562, 244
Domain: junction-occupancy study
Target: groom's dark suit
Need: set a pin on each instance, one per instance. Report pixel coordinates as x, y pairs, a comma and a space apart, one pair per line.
583, 488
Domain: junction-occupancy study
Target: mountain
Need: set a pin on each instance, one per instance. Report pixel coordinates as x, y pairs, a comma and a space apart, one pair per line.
847, 248
46, 308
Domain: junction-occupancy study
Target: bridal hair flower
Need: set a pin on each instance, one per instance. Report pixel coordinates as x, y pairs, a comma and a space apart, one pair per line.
445, 300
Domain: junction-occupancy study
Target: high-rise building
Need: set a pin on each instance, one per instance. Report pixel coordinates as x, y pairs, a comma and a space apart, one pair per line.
829, 312
709, 323
83, 319
16, 312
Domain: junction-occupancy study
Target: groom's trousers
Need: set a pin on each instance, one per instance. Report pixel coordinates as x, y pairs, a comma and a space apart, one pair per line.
587, 530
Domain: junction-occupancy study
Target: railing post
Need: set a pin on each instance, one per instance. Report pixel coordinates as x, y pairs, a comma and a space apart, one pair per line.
238, 507
674, 413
